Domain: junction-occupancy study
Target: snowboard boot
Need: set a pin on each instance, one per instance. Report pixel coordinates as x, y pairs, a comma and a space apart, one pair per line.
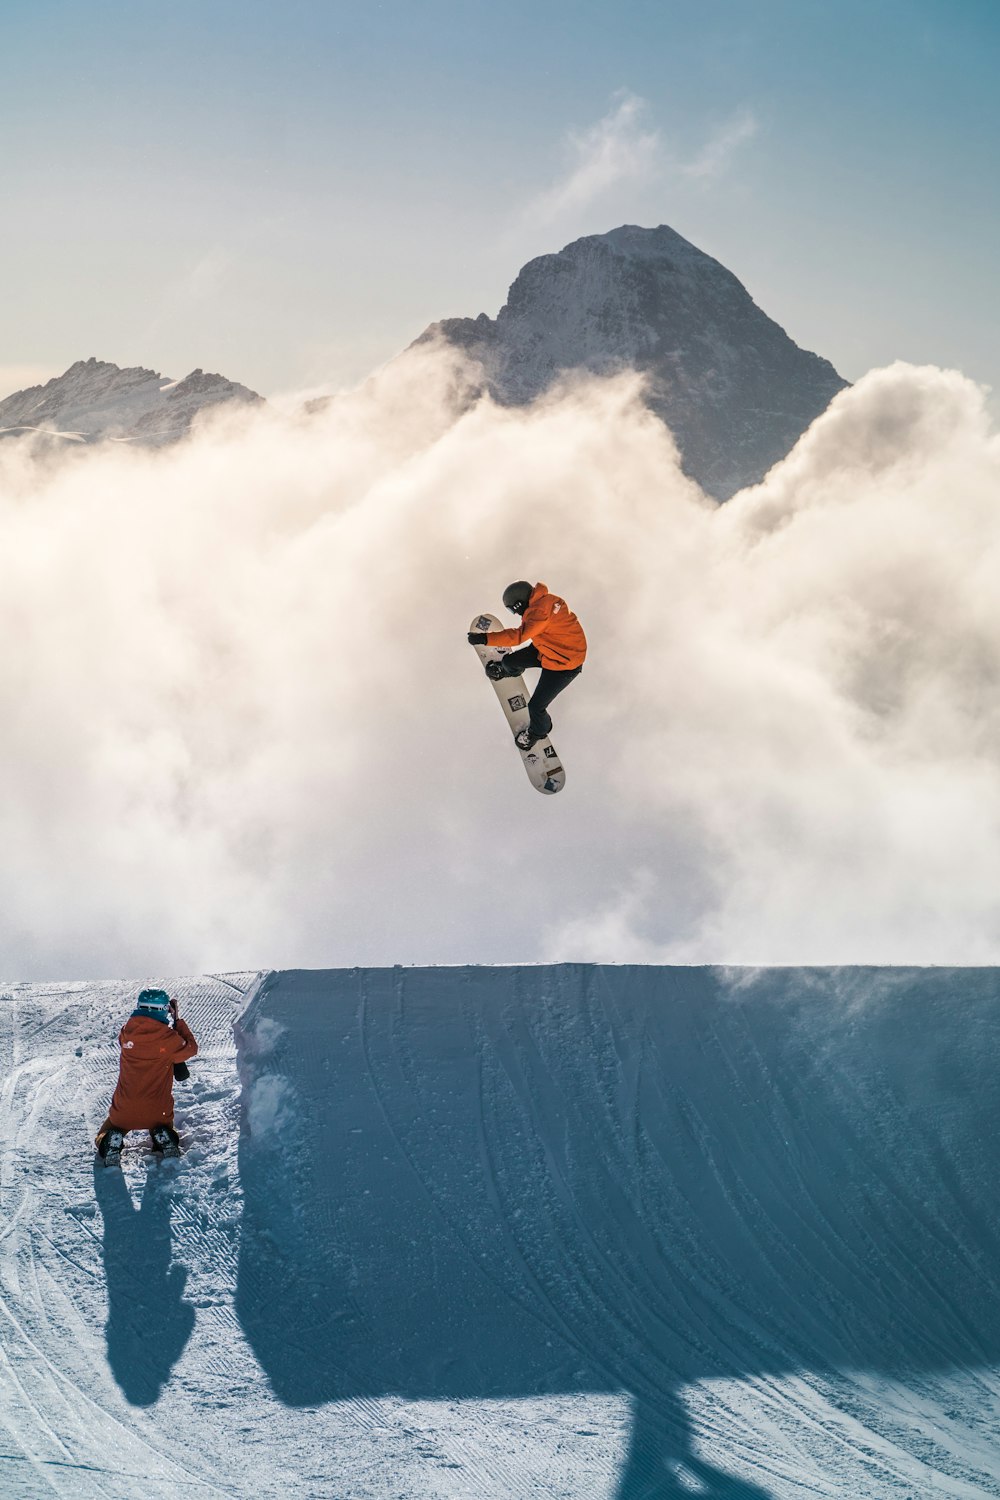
166, 1141
525, 740
109, 1147
495, 671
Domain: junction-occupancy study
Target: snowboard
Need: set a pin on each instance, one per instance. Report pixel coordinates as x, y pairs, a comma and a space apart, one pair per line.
541, 762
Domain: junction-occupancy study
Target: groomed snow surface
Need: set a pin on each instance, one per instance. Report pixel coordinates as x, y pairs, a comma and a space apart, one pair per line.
480, 1233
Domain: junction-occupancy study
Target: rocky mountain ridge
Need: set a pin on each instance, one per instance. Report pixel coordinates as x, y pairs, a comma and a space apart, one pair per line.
734, 389
729, 382
94, 400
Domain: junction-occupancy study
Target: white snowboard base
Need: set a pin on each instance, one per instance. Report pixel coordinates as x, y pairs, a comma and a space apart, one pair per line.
541, 762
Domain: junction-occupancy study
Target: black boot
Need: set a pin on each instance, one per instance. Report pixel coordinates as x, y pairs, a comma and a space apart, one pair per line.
166, 1139
109, 1147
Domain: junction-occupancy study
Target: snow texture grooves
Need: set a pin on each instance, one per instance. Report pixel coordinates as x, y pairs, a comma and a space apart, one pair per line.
483, 1234
103, 1275
124, 1370
760, 1205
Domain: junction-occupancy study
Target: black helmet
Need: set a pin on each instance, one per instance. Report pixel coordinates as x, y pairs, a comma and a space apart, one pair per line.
516, 596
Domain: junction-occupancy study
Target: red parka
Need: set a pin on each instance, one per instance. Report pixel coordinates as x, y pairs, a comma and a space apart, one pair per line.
551, 627
145, 1093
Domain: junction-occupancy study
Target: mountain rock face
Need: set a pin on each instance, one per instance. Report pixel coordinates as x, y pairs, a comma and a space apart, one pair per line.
729, 382
95, 400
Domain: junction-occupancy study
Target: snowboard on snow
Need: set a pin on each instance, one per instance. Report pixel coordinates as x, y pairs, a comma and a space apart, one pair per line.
541, 762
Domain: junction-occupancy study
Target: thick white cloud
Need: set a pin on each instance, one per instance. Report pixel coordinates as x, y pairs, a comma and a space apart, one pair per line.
240, 724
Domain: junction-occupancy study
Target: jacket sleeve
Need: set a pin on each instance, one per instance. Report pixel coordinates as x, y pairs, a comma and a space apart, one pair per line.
536, 620
512, 637
184, 1042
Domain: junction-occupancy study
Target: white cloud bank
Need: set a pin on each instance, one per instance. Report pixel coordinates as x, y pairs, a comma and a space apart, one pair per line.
240, 724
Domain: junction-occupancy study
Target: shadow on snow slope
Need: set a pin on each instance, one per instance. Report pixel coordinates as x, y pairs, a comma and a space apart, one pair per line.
149, 1323
496, 1182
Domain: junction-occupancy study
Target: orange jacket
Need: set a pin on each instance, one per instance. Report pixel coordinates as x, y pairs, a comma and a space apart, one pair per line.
552, 628
145, 1093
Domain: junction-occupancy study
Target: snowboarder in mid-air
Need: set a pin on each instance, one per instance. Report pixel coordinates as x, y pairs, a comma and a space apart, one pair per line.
557, 645
155, 1045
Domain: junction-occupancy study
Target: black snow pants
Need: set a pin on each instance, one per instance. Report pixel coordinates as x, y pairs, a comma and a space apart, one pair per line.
549, 685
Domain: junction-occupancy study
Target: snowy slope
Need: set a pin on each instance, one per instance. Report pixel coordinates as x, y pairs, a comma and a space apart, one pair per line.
732, 386
601, 1233
95, 400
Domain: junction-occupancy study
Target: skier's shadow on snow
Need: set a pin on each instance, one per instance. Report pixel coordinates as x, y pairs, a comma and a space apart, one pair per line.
149, 1323
461, 1184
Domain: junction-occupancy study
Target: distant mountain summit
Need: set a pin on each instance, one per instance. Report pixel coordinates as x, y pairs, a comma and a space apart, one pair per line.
729, 382
95, 400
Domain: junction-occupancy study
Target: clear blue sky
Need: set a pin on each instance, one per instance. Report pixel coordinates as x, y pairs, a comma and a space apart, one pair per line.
290, 193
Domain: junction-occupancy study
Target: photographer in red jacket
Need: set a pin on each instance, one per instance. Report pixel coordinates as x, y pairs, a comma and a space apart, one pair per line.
154, 1043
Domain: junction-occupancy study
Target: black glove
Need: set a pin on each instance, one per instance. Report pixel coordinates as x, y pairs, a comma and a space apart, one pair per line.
181, 1072
477, 637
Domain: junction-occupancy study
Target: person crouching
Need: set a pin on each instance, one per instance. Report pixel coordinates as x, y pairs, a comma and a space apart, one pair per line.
153, 1041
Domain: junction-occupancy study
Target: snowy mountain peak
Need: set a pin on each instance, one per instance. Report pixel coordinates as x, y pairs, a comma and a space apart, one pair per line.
729, 382
632, 239
637, 243
95, 400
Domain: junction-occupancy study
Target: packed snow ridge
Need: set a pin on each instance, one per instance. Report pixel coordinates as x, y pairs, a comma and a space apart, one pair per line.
577, 1231
95, 401
732, 386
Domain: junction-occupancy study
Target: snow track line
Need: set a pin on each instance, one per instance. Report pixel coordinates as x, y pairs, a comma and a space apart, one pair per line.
58, 1463
246, 989
468, 1462
61, 1396
60, 1378
744, 1207
523, 1065
557, 1321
